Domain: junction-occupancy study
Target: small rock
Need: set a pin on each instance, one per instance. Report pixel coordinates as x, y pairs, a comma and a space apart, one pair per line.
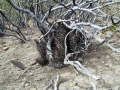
37, 79
32, 89
107, 65
73, 84
27, 84
103, 61
5, 48
110, 66
10, 72
31, 74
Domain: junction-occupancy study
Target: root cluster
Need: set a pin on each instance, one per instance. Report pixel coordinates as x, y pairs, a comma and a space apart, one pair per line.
54, 46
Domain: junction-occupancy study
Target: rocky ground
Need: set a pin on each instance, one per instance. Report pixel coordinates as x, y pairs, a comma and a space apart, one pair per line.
104, 63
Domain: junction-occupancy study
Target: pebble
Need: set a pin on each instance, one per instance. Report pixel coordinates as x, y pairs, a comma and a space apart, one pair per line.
31, 74
33, 89
73, 84
10, 72
37, 79
103, 61
108, 65
5, 48
27, 84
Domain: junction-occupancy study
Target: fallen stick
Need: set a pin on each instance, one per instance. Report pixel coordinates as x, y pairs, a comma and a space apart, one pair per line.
50, 84
111, 47
23, 72
56, 82
79, 66
91, 82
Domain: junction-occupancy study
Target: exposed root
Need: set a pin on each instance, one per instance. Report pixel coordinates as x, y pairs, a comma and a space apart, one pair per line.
78, 66
54, 82
50, 84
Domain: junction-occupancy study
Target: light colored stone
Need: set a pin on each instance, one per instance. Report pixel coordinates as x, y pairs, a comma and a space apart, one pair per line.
103, 61
5, 48
31, 74
107, 65
10, 72
73, 84
27, 84
110, 66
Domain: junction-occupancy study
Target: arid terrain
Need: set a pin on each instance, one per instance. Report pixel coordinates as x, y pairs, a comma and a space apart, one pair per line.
104, 63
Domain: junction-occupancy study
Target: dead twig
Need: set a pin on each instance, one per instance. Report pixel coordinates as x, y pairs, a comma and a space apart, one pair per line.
56, 82
24, 72
79, 66
50, 84
91, 82
111, 47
